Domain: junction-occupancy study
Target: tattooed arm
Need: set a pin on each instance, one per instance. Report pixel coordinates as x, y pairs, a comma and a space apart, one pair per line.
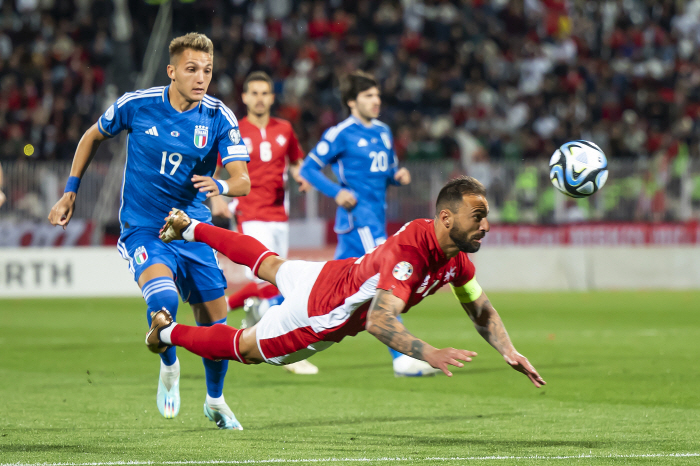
490, 326
383, 324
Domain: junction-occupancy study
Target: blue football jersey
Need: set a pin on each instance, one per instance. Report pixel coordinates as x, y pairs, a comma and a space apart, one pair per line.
165, 148
363, 160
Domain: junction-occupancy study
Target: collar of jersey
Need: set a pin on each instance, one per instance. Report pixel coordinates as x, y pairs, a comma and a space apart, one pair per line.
169, 106
359, 122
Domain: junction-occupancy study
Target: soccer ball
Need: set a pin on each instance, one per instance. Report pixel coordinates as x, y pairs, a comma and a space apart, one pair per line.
578, 168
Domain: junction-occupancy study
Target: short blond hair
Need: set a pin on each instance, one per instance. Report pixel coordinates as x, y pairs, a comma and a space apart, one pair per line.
194, 41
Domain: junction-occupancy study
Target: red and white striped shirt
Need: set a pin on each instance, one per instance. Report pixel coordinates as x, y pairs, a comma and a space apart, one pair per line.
411, 264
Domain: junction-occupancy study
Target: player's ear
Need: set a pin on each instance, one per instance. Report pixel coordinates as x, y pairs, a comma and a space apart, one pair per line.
446, 218
171, 71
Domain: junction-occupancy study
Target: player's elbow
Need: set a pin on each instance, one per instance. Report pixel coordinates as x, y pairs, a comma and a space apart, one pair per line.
371, 327
242, 185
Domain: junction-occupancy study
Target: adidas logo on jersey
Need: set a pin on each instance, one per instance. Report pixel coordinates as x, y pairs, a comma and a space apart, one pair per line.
281, 140
153, 131
362, 142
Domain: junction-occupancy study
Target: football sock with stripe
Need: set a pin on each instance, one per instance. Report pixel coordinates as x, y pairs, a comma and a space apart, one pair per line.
214, 371
240, 248
215, 342
161, 293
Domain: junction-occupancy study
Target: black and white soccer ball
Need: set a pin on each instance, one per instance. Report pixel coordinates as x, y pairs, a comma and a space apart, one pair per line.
578, 168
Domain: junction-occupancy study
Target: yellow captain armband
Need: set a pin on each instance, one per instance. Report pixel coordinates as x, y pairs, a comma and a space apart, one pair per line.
467, 293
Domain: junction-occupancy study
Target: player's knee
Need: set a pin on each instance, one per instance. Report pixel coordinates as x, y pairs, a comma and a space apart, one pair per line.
161, 293
248, 346
269, 267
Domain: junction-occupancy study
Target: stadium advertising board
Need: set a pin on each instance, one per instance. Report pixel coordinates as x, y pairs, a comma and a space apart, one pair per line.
44, 272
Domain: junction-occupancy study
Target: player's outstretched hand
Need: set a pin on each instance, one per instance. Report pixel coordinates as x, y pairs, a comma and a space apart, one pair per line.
403, 176
62, 211
2, 198
345, 199
206, 184
440, 358
520, 363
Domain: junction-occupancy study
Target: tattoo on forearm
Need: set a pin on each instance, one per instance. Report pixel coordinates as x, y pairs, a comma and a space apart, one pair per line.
493, 330
387, 328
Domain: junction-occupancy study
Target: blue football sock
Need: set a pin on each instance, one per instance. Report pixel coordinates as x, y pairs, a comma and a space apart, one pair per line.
395, 354
214, 371
161, 293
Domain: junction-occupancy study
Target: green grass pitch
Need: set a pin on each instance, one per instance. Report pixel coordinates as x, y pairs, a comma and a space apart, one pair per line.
77, 385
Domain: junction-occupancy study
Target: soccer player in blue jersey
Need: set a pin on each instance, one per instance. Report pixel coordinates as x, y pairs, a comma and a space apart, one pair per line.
174, 135
361, 154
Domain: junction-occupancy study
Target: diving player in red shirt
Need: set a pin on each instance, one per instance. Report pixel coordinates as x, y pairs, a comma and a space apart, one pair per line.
327, 301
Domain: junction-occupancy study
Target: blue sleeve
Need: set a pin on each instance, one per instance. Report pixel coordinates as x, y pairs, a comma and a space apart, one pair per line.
394, 167
228, 138
328, 149
117, 118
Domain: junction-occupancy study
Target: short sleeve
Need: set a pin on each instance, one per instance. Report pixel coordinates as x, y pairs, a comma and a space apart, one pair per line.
465, 270
116, 118
328, 148
294, 152
402, 270
228, 140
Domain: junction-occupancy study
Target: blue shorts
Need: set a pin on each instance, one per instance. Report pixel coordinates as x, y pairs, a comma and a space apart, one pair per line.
356, 243
194, 266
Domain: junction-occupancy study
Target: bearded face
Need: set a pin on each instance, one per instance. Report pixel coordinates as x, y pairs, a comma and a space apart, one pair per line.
466, 242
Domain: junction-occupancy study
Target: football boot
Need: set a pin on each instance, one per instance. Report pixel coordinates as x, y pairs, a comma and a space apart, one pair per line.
176, 222
168, 401
159, 320
406, 366
222, 416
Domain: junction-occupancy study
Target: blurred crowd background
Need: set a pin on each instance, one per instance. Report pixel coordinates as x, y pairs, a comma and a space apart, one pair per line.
486, 87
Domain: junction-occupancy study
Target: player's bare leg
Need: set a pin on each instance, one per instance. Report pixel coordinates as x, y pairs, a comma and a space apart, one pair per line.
158, 288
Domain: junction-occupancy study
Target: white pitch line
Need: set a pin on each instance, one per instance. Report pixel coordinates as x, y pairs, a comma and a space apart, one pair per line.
364, 460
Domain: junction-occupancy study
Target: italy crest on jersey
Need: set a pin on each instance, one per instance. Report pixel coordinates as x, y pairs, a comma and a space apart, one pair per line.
201, 134
140, 255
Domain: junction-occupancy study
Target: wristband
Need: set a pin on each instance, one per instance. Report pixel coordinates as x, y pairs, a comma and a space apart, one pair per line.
72, 184
223, 187
467, 293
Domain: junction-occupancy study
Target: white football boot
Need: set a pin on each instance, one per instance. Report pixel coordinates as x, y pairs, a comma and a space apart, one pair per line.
168, 399
303, 367
406, 366
251, 308
222, 416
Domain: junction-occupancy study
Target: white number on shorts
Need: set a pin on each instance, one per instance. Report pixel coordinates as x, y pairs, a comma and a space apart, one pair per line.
380, 161
175, 159
265, 151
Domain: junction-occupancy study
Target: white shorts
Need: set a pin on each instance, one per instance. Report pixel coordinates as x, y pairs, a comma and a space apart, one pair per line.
284, 333
273, 235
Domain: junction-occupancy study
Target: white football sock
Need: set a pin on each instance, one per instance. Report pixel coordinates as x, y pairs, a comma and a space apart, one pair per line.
188, 234
214, 402
169, 374
165, 335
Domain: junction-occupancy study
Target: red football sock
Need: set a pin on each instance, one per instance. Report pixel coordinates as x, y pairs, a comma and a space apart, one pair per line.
216, 342
237, 299
240, 248
267, 290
